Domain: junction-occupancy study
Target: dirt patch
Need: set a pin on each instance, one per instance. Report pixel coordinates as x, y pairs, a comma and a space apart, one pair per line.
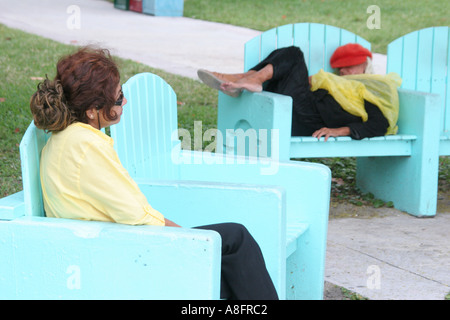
443, 203
333, 292
346, 210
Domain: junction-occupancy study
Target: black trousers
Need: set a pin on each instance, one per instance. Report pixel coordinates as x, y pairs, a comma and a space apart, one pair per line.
244, 274
290, 78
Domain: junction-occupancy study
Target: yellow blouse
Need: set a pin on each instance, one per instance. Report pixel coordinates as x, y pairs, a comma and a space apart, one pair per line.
83, 178
350, 92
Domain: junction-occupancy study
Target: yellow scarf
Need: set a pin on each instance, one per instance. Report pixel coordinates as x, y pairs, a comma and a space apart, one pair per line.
351, 91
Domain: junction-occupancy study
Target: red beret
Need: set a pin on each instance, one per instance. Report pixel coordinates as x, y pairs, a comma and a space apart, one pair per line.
348, 55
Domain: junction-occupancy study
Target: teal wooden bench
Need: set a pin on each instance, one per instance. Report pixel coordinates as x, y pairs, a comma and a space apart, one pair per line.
49, 258
147, 142
70, 258
401, 168
422, 59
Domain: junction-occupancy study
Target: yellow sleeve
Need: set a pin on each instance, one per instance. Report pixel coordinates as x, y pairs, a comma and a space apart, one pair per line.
111, 190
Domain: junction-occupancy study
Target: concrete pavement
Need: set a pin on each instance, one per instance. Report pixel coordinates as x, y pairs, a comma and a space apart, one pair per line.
390, 255
395, 256
176, 45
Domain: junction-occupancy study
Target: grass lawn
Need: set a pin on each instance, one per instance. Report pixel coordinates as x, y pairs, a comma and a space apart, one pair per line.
25, 59
396, 17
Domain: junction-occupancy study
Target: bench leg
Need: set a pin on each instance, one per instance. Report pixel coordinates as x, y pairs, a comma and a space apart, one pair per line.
410, 182
305, 269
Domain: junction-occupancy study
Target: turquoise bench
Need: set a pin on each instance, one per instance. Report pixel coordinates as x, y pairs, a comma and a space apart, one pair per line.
147, 141
48, 258
401, 168
288, 218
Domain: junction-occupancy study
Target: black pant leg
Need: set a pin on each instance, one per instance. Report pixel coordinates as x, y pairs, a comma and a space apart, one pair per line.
244, 273
290, 77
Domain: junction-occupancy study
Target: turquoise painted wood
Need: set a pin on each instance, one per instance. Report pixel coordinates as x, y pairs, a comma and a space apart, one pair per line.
86, 244
30, 154
151, 143
307, 210
260, 113
317, 41
209, 188
168, 8
422, 58
12, 206
47, 258
294, 248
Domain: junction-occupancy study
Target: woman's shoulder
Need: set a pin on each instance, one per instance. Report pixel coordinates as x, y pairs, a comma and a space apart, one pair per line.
85, 132
81, 137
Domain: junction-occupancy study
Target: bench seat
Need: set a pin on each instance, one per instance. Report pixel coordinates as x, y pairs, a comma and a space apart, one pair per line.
392, 145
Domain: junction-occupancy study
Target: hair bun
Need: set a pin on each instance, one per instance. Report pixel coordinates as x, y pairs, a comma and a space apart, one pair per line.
49, 106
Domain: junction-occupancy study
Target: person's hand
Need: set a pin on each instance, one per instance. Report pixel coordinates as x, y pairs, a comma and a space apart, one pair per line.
169, 223
331, 132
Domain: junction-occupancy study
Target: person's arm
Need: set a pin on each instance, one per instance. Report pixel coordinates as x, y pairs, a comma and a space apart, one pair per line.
169, 223
375, 126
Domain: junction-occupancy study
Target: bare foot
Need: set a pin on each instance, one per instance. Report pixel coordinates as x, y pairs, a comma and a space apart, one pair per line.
231, 84
245, 83
229, 77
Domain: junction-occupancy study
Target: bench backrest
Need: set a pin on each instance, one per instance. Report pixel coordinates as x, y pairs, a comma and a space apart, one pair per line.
422, 59
147, 135
30, 148
317, 41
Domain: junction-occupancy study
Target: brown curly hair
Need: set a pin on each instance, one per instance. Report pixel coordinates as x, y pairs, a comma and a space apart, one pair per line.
85, 79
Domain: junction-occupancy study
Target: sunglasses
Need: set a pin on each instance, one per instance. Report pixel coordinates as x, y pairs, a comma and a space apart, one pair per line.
120, 99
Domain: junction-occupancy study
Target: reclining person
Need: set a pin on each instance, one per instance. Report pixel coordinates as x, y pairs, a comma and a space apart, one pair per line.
356, 103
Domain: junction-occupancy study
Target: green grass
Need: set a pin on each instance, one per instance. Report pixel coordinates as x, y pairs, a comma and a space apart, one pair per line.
22, 58
25, 57
397, 17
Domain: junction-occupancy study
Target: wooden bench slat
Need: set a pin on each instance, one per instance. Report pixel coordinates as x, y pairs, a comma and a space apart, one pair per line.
310, 147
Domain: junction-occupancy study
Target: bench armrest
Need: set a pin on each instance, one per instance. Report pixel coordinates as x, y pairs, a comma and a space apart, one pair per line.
261, 209
51, 258
257, 111
419, 113
12, 206
307, 187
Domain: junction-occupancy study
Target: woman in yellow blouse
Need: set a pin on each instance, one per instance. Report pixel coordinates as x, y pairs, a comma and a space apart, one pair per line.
83, 178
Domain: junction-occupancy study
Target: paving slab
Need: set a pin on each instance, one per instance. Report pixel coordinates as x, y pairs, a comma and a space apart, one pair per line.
394, 257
